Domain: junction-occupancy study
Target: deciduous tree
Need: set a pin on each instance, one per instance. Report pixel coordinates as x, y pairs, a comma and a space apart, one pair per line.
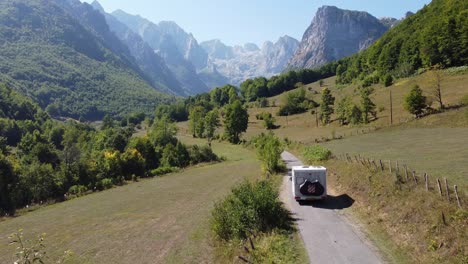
236, 121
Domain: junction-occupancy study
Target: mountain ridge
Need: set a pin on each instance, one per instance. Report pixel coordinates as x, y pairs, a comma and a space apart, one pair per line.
335, 33
239, 63
179, 49
67, 64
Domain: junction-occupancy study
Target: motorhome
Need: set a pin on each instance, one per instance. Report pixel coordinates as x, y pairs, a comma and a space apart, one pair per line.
309, 183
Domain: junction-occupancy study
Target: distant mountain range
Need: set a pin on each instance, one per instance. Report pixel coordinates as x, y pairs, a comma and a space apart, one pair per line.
78, 61
249, 61
210, 63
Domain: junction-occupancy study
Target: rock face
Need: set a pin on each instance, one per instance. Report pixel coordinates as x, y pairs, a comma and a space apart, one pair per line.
179, 49
239, 63
334, 34
278, 54
152, 65
389, 22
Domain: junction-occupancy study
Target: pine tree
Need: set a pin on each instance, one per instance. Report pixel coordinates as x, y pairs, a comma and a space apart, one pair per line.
367, 106
326, 108
415, 102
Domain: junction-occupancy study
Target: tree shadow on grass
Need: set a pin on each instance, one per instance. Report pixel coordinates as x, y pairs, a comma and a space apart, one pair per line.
331, 202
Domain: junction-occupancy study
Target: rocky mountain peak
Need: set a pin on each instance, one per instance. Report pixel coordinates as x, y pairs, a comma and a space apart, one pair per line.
97, 6
251, 47
239, 63
336, 33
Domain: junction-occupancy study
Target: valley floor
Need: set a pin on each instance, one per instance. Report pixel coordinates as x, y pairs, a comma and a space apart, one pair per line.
160, 220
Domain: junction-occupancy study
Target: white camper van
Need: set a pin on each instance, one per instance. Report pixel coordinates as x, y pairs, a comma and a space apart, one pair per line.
309, 183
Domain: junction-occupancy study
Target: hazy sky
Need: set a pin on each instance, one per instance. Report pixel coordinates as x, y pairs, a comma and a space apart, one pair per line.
241, 21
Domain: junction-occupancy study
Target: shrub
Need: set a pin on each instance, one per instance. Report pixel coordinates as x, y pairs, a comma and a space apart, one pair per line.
106, 183
387, 80
269, 149
268, 119
77, 190
262, 102
316, 153
201, 154
251, 207
164, 170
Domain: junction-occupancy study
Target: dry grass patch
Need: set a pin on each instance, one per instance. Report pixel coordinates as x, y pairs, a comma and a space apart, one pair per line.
404, 220
153, 221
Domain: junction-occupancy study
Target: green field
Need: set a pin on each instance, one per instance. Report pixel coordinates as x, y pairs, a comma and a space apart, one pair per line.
156, 220
438, 151
436, 144
302, 127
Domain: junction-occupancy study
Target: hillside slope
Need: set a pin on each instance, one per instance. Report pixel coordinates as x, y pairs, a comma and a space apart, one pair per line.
174, 45
152, 65
68, 66
436, 35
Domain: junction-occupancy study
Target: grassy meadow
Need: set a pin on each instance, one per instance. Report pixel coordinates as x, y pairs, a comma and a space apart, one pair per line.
159, 220
436, 144
302, 127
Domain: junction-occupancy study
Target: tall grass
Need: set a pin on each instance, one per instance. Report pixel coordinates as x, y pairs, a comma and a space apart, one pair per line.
420, 224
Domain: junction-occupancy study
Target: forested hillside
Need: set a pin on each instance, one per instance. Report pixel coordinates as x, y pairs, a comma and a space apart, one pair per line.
436, 35
72, 68
43, 160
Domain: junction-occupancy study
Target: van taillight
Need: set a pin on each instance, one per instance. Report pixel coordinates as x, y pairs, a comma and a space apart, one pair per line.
297, 198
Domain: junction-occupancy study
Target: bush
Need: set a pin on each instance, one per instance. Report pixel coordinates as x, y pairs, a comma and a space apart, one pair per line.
164, 170
269, 149
106, 183
387, 80
268, 119
251, 207
316, 153
201, 154
263, 102
77, 190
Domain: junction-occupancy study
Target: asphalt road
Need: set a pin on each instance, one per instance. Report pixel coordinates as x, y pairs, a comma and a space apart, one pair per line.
327, 235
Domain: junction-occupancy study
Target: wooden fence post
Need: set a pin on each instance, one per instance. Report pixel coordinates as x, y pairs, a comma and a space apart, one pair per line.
456, 195
397, 167
381, 165
414, 177
426, 179
390, 166
375, 165
406, 173
447, 189
244, 259
440, 187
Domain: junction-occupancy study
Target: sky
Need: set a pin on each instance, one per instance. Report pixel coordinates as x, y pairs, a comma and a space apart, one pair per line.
236, 22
